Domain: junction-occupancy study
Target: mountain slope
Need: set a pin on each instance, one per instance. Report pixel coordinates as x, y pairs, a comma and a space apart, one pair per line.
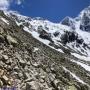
36, 54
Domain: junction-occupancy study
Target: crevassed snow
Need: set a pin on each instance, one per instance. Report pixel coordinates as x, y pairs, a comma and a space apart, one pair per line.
3, 19
77, 78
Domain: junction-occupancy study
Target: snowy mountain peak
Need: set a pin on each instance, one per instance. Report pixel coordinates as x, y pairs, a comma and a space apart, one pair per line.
68, 21
70, 36
70, 32
85, 19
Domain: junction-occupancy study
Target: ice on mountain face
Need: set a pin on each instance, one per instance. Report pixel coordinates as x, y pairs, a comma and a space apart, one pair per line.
85, 19
85, 23
69, 22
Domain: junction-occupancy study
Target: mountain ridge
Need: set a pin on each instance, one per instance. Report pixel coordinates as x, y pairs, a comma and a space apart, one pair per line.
41, 55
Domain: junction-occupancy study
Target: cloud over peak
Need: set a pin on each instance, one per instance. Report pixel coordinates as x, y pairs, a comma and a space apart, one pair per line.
5, 4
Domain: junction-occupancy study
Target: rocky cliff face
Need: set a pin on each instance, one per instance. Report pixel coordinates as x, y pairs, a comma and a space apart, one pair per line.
85, 19
36, 54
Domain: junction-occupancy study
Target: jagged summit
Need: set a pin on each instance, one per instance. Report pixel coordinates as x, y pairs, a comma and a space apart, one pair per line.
85, 19
68, 21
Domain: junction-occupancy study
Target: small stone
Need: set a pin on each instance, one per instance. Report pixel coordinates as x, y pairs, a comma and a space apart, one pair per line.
35, 49
33, 86
72, 88
2, 39
21, 61
11, 40
5, 77
42, 80
1, 72
20, 75
1, 30
1, 83
5, 57
10, 81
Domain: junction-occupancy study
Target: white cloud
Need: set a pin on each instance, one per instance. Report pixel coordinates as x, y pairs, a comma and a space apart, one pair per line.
5, 4
19, 2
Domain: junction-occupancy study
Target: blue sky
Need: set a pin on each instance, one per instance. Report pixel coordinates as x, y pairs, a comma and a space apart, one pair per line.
53, 10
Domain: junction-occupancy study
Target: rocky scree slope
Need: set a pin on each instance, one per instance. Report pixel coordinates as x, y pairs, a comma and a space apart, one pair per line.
36, 54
